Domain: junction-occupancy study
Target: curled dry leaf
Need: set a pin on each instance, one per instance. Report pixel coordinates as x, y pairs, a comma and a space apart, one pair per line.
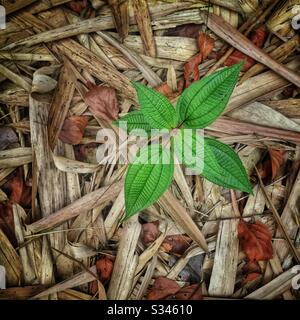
104, 267
7, 222
277, 158
190, 69
256, 240
192, 292
163, 288
7, 137
102, 102
42, 82
258, 39
176, 244
250, 277
19, 192
73, 129
150, 232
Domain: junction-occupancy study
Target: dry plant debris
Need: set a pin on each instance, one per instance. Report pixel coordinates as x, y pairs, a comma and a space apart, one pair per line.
65, 73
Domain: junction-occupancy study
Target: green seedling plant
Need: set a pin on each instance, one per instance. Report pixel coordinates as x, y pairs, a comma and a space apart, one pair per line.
197, 107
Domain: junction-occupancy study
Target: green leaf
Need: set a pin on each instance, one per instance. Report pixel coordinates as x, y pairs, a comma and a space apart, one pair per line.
203, 101
231, 173
156, 108
147, 178
189, 148
134, 120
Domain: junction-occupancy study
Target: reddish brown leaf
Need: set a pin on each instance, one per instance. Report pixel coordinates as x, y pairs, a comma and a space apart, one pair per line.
192, 292
167, 91
258, 39
189, 30
102, 102
176, 244
277, 160
73, 129
163, 288
250, 277
7, 222
104, 268
77, 5
93, 287
150, 232
17, 189
256, 240
190, 69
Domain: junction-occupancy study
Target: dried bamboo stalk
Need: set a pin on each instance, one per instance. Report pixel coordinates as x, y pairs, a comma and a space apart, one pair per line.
87, 60
288, 220
120, 14
135, 59
144, 24
274, 288
21, 293
28, 271
126, 261
61, 103
15, 78
225, 31
178, 213
238, 127
280, 53
11, 261
15, 96
14, 56
278, 219
86, 203
43, 5
222, 280
13, 6
175, 48
77, 280
12, 158
254, 88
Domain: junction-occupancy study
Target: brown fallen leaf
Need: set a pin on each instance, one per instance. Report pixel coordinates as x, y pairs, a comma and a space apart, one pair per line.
73, 129
102, 102
258, 39
77, 5
277, 158
190, 69
105, 267
20, 192
163, 288
192, 292
176, 244
150, 232
256, 240
165, 89
7, 222
250, 277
